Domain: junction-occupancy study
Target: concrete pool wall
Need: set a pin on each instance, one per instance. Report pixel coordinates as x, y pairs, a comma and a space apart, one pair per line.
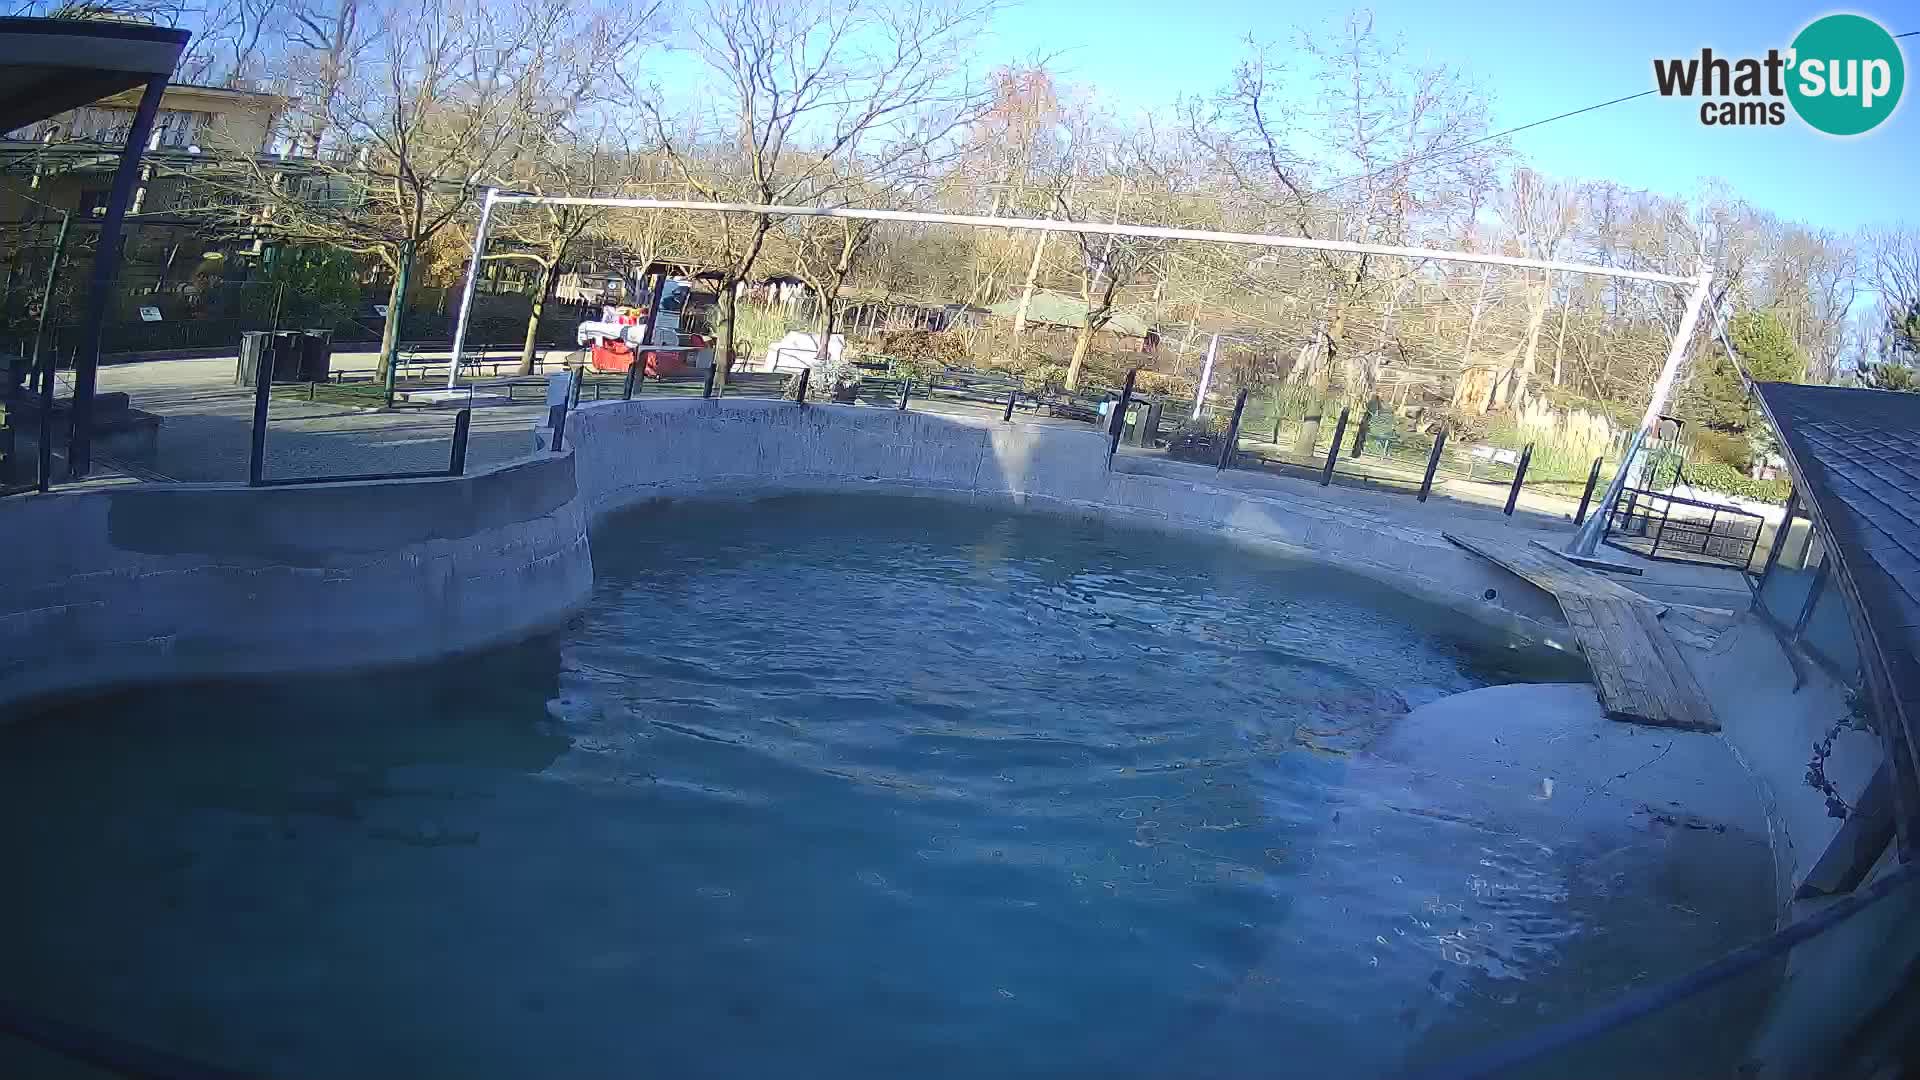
142, 582
630, 452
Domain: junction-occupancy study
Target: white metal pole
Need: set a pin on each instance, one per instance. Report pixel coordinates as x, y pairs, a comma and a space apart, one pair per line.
1098, 227
466, 294
1206, 376
1587, 540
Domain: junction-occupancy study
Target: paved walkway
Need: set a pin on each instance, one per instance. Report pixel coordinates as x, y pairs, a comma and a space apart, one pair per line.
205, 434
207, 422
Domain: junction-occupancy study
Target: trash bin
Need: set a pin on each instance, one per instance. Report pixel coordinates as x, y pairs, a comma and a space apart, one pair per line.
316, 355
1144, 426
252, 343
286, 356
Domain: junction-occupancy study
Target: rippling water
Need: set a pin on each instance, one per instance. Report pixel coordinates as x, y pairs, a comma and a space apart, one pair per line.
833, 788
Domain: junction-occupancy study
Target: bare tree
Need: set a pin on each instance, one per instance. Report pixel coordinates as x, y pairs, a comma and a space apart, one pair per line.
565, 139
1387, 152
232, 44
807, 83
407, 138
1538, 215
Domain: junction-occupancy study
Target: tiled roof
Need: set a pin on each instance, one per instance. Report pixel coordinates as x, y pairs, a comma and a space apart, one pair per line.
1856, 458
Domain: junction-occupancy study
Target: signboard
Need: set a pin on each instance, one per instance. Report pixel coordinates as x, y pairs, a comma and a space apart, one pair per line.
149, 314
380, 310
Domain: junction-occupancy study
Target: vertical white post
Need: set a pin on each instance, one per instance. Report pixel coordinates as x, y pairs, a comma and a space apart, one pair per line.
466, 294
1587, 540
1206, 376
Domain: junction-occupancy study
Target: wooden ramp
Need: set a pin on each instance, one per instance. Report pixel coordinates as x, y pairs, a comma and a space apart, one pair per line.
1641, 675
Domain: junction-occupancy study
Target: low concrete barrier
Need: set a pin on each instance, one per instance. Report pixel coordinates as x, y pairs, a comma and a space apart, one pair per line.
157, 581
631, 451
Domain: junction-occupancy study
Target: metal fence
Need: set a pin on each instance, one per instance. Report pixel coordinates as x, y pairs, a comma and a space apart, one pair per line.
1658, 525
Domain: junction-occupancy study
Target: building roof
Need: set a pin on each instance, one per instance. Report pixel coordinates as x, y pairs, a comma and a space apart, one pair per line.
1855, 456
1059, 309
48, 66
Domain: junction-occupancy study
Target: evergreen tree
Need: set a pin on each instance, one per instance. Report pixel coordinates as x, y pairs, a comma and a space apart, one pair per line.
1899, 352
1716, 397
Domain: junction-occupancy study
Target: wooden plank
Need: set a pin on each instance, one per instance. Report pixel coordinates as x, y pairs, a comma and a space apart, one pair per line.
1600, 659
1686, 699
1635, 655
1544, 568
1638, 670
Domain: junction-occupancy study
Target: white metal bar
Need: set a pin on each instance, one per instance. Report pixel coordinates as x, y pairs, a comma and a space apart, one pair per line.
1587, 540
1206, 377
466, 293
1097, 227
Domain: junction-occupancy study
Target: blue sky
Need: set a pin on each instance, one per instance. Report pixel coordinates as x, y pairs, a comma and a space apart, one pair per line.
1537, 59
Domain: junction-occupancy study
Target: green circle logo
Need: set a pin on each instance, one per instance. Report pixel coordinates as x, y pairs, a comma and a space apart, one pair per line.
1846, 74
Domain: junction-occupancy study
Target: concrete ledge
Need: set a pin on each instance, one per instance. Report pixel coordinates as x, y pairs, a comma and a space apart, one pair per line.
167, 581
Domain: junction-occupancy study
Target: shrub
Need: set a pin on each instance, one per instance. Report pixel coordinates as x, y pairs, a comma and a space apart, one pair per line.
1724, 478
1044, 379
1157, 382
1720, 447
923, 350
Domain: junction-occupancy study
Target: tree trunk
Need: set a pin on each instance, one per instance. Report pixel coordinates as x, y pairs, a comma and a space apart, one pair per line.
829, 299
1081, 343
533, 318
723, 334
1322, 366
1309, 433
1026, 292
396, 310
1535, 317
1560, 345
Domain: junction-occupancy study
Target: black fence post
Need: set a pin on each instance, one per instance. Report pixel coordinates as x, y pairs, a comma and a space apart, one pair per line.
262, 391
1433, 463
1360, 436
800, 393
458, 463
1275, 438
906, 385
1333, 452
633, 380
557, 419
1519, 477
1231, 445
1586, 497
712, 370
46, 419
1117, 423
1008, 415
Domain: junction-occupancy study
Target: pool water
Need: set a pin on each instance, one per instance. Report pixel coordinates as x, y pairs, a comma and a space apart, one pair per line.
828, 787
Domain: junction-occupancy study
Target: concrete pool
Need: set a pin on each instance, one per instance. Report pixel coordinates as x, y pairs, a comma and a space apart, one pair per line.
182, 582
831, 785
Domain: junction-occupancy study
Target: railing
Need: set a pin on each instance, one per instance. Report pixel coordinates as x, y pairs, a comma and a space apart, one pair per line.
1662, 526
257, 450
